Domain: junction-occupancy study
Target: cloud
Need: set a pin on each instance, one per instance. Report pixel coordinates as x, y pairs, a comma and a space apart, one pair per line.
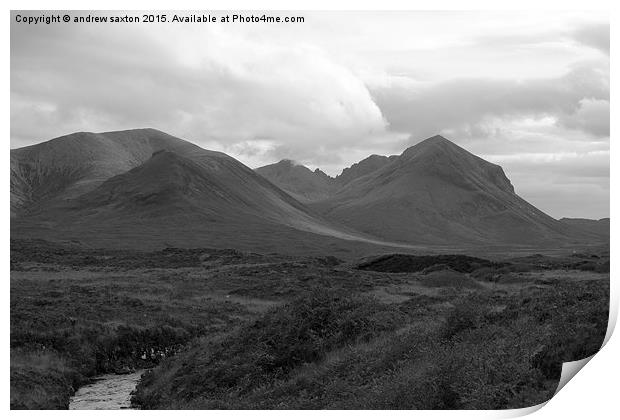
592, 116
218, 85
594, 35
566, 200
338, 88
425, 110
583, 167
562, 184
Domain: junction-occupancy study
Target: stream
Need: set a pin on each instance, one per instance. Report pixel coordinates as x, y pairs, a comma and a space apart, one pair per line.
106, 392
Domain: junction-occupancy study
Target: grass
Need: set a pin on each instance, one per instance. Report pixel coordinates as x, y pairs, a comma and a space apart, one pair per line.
492, 350
41, 380
226, 329
268, 349
399, 263
101, 326
85, 312
448, 278
69, 323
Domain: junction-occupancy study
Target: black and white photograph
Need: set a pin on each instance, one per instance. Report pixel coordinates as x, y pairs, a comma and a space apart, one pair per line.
305, 209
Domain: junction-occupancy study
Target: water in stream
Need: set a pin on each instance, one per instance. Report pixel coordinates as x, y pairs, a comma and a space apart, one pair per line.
107, 392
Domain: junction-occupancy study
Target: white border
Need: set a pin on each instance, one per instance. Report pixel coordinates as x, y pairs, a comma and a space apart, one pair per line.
591, 395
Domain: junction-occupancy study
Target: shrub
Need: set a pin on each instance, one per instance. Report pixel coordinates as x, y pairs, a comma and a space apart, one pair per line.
42, 380
396, 263
466, 314
283, 339
448, 278
487, 368
487, 274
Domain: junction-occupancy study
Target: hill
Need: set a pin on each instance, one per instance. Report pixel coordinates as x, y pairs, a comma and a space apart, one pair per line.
147, 189
438, 193
68, 166
311, 186
297, 180
363, 167
600, 227
178, 195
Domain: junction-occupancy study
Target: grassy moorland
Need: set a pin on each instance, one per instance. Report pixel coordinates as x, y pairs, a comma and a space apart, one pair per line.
480, 350
226, 329
75, 315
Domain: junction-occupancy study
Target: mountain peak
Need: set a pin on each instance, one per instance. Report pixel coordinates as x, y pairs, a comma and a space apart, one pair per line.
363, 167
437, 148
434, 141
437, 138
285, 165
288, 162
165, 167
438, 156
300, 182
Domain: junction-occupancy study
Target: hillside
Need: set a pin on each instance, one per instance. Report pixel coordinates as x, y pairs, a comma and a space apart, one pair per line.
599, 227
438, 193
311, 186
297, 180
180, 195
68, 166
363, 167
147, 189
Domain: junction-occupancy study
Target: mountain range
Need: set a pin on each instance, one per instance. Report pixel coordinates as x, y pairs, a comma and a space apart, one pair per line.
144, 188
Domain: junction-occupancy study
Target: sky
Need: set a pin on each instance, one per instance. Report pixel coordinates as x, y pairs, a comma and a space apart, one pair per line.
526, 90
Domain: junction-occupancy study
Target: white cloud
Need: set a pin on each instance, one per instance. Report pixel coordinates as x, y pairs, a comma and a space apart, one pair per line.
222, 85
336, 89
425, 110
591, 116
595, 35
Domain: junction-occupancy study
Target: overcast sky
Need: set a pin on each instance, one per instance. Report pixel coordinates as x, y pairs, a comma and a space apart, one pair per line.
529, 91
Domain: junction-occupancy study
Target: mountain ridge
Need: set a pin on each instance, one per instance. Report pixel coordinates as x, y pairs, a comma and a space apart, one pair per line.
437, 192
179, 194
309, 186
299, 181
70, 165
146, 185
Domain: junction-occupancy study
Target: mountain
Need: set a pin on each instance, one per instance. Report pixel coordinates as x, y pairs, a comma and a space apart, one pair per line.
144, 188
310, 186
363, 167
213, 187
299, 181
68, 166
438, 193
599, 227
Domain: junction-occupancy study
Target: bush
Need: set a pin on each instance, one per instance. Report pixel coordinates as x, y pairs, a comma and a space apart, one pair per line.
401, 263
287, 337
493, 351
448, 278
42, 380
487, 274
466, 315
487, 368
